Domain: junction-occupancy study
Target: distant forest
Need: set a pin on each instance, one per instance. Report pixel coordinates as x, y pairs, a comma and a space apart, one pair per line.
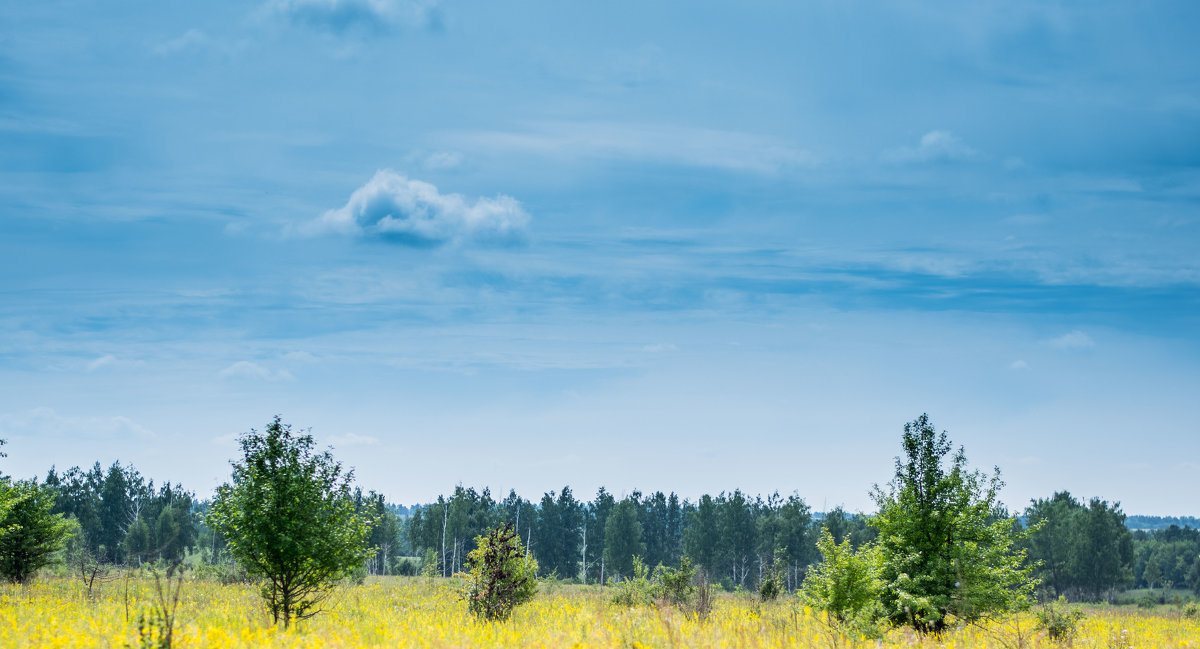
1088, 551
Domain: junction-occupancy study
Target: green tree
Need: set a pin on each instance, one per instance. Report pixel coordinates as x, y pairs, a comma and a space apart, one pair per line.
701, 537
30, 534
500, 577
289, 517
622, 538
946, 549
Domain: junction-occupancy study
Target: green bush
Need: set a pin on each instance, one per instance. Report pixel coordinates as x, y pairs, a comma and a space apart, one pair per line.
1191, 610
774, 582
1059, 621
675, 586
636, 590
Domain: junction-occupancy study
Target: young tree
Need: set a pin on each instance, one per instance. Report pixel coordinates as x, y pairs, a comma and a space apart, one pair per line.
500, 577
946, 550
845, 585
289, 517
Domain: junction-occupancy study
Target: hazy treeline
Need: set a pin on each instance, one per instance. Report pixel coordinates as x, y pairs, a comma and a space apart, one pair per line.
1085, 551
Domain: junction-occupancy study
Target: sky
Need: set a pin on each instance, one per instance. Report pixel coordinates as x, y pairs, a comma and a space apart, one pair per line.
689, 247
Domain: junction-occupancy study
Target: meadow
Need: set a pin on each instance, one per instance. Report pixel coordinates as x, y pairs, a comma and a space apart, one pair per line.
417, 612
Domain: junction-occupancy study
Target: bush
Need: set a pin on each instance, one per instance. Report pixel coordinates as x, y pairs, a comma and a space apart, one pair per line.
1059, 621
500, 577
675, 586
405, 567
1191, 610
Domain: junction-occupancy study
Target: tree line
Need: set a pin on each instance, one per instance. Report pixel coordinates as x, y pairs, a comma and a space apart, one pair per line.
1081, 550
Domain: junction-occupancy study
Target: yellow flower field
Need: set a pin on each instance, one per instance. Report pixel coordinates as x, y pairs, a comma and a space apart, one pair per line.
411, 612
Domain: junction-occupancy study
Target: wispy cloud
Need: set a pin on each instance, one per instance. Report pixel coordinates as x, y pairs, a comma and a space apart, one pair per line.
658, 348
370, 16
411, 212
935, 146
1018, 365
1073, 340
46, 422
189, 40
664, 143
254, 371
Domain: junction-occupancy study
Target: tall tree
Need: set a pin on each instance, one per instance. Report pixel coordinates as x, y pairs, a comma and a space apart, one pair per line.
1054, 541
944, 550
623, 538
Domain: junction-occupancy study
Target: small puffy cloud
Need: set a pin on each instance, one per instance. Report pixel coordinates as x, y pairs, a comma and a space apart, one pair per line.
103, 361
371, 16
254, 371
352, 439
1073, 340
192, 39
935, 146
658, 348
412, 212
440, 160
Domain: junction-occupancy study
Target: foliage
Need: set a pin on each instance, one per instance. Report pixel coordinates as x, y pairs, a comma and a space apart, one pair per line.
289, 517
845, 585
946, 548
500, 577
31, 535
1059, 620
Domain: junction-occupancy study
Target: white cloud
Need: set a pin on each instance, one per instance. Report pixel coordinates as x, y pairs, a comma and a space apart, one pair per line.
352, 439
1018, 365
249, 370
45, 422
1073, 340
935, 146
412, 212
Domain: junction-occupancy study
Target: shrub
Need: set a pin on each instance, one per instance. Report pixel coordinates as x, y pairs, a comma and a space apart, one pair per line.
499, 577
774, 582
1058, 621
1191, 610
636, 590
675, 586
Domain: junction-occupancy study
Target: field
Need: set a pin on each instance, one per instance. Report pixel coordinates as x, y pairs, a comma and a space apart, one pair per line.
413, 612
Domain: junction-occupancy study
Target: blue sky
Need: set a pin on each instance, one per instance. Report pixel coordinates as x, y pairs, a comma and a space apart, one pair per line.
681, 246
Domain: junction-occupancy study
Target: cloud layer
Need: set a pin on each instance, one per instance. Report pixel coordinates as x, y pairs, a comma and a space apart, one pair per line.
411, 212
